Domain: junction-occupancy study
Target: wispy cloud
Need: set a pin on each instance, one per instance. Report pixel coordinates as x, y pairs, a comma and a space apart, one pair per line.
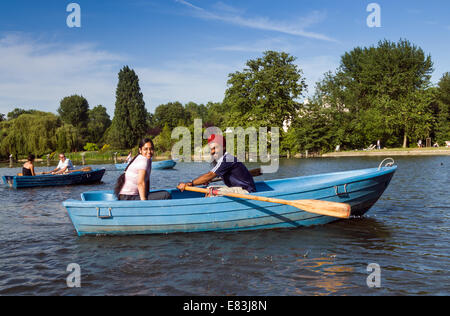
259, 46
233, 16
38, 74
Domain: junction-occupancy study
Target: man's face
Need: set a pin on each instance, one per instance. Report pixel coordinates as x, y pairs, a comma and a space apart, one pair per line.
62, 158
216, 151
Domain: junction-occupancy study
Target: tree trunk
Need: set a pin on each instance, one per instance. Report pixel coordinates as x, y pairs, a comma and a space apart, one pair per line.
405, 139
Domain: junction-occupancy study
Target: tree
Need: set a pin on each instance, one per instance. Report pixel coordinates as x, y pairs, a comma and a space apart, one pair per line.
265, 93
74, 110
163, 142
383, 91
196, 111
2, 117
171, 114
29, 133
18, 112
443, 115
99, 122
130, 115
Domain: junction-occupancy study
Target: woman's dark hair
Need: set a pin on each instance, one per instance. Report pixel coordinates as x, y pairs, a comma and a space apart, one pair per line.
121, 180
31, 157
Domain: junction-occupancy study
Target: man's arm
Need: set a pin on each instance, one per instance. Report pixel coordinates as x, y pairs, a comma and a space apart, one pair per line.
61, 171
203, 179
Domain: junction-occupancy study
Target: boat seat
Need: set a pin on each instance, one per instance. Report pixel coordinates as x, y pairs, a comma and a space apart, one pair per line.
98, 196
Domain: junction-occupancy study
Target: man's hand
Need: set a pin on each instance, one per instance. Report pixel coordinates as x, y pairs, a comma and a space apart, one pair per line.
183, 185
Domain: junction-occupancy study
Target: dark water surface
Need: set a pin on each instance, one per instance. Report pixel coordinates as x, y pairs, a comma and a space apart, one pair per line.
407, 233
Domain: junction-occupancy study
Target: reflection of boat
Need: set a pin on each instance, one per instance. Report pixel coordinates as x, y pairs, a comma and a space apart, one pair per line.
79, 177
166, 164
100, 212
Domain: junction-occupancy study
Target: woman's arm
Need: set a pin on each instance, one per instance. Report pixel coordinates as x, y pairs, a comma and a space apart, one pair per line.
32, 170
142, 185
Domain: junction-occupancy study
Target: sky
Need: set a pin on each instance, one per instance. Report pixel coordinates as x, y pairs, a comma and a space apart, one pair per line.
184, 50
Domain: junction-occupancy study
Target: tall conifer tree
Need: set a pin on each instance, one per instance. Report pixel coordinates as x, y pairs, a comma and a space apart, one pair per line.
130, 115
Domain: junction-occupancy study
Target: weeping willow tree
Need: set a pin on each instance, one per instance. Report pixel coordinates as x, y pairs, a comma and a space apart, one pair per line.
29, 133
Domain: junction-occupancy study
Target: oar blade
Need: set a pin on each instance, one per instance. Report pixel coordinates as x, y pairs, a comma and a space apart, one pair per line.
327, 208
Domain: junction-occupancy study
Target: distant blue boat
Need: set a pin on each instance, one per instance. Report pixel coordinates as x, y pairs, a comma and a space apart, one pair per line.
72, 178
158, 165
100, 213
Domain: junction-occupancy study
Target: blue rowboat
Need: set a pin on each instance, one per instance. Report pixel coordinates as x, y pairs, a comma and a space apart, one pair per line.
100, 213
159, 165
79, 177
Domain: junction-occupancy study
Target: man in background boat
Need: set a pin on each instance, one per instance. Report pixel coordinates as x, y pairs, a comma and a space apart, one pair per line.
64, 165
234, 173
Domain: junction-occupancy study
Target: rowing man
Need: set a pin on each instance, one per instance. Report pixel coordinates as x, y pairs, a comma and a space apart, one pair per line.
64, 165
233, 172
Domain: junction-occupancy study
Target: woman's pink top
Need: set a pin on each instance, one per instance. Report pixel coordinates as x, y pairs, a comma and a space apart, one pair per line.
131, 176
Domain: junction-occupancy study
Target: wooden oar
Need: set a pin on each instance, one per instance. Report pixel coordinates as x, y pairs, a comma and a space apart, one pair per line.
85, 169
334, 209
254, 172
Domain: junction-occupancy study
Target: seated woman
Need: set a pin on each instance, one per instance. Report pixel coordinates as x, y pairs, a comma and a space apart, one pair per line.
28, 167
134, 184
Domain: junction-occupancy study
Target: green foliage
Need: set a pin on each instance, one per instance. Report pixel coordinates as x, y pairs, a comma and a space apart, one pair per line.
172, 114
99, 122
105, 148
68, 139
18, 112
74, 110
29, 133
265, 93
2, 117
163, 142
443, 110
130, 116
379, 93
91, 147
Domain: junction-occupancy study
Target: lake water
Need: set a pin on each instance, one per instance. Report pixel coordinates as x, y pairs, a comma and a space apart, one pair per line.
407, 233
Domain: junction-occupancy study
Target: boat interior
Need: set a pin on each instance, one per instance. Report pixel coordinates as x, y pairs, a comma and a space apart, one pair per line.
263, 186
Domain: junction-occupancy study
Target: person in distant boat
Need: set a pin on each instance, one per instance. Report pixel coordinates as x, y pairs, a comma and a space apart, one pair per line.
233, 172
64, 165
129, 158
28, 167
134, 184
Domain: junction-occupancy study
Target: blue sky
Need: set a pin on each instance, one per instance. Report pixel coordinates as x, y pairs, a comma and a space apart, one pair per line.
183, 50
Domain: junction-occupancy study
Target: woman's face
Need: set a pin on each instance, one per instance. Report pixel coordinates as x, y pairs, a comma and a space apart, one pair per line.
147, 150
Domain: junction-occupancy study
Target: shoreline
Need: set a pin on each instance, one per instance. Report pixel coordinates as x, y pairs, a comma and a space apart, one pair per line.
372, 153
394, 152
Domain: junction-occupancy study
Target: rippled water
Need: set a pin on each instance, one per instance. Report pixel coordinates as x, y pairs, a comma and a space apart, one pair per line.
407, 233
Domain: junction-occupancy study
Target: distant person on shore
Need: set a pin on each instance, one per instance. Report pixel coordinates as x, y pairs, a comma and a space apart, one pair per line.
28, 167
419, 143
64, 165
129, 158
134, 184
378, 144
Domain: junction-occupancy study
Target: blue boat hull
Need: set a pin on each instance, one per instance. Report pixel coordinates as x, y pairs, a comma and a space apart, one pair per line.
157, 165
99, 213
73, 178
